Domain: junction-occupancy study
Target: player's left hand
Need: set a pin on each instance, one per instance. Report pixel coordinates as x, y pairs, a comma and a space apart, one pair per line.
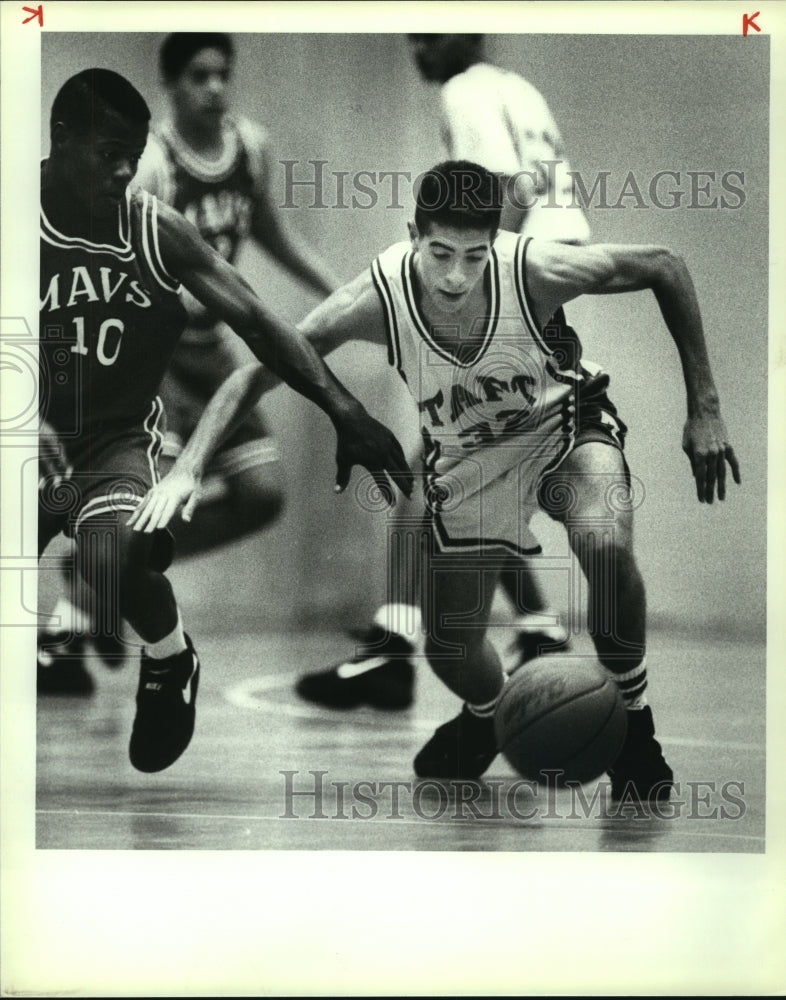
177, 489
706, 443
362, 440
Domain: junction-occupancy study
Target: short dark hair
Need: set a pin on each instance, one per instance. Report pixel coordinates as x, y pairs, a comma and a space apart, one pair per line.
75, 103
461, 194
473, 40
180, 48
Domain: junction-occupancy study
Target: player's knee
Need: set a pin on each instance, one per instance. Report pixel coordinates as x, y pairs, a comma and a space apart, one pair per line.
110, 554
448, 650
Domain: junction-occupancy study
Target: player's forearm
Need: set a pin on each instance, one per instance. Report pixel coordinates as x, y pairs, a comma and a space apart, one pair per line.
227, 409
237, 396
294, 359
293, 254
676, 295
309, 269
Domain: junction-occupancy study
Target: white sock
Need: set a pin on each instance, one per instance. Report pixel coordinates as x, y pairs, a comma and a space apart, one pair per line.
403, 620
637, 703
170, 645
633, 687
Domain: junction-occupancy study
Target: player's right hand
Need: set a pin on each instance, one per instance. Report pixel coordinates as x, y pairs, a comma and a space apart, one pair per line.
179, 488
362, 440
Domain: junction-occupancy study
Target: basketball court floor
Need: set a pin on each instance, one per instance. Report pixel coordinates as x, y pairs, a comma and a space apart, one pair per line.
267, 771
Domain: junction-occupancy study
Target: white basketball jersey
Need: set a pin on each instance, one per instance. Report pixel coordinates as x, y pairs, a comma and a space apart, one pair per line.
507, 398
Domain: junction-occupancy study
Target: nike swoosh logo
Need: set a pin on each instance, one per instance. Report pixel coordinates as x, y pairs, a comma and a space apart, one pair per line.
347, 670
187, 690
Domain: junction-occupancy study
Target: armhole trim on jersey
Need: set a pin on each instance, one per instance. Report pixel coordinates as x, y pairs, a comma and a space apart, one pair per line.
253, 139
153, 427
389, 312
522, 292
125, 218
150, 243
163, 165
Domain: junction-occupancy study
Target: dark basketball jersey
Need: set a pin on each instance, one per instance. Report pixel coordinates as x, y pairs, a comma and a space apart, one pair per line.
215, 196
110, 318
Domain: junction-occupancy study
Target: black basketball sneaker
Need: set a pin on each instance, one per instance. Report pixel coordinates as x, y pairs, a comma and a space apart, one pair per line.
381, 674
165, 709
641, 773
463, 748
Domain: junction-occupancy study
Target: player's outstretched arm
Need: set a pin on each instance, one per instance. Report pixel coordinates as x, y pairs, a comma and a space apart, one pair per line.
558, 273
270, 228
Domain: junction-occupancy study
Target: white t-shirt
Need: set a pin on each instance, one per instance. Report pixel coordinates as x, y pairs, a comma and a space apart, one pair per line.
496, 118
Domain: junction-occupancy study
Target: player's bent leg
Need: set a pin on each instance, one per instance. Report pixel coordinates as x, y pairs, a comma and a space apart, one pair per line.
115, 561
590, 495
466, 662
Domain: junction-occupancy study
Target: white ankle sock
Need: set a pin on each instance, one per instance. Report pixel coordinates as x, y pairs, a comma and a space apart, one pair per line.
483, 711
170, 645
547, 621
403, 620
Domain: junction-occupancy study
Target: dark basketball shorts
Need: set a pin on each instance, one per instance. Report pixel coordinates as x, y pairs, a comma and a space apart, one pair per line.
597, 418
111, 467
202, 362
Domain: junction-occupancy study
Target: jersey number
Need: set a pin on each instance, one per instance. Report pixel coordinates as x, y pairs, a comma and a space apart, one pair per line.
110, 333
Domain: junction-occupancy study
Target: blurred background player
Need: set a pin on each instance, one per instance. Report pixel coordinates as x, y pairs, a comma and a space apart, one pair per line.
111, 267
214, 168
493, 117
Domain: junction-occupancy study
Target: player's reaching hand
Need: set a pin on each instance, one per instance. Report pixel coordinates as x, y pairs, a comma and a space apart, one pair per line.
362, 440
705, 442
179, 488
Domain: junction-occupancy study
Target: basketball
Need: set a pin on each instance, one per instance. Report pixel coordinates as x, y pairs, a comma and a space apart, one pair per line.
561, 714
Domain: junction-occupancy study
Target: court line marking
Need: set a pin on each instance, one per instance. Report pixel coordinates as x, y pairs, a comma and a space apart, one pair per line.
406, 821
242, 695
